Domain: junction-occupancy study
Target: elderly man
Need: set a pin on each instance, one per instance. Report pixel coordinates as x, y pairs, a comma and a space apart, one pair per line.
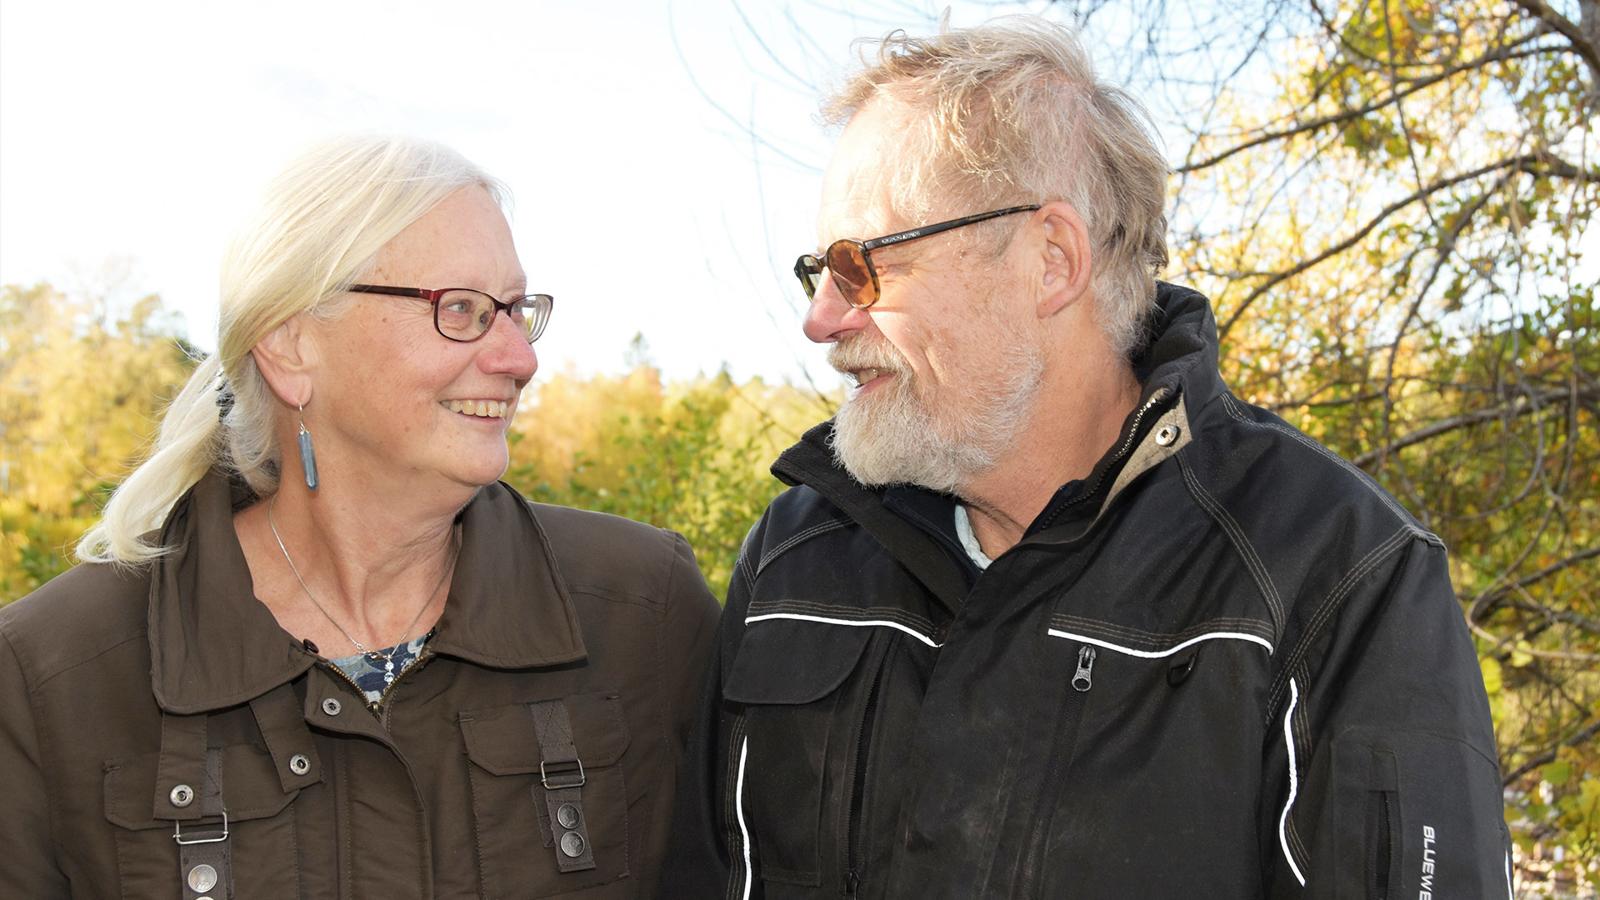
1049, 612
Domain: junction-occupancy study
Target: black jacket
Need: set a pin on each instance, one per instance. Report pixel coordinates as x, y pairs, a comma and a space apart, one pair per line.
1225, 664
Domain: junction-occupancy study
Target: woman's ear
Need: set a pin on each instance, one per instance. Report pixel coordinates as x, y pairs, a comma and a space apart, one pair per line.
287, 357
1068, 259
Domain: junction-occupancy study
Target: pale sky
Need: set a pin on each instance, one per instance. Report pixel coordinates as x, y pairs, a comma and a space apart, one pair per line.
135, 136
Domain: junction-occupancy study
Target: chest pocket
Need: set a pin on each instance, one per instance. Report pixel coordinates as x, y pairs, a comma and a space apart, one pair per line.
260, 845
803, 717
547, 825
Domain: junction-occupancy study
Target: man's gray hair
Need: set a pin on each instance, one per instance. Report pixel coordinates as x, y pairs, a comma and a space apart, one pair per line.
1010, 112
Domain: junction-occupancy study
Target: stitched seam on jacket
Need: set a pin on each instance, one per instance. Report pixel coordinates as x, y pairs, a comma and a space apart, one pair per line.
743, 561
851, 613
1301, 733
1241, 544
45, 679
1250, 626
1286, 833
738, 850
798, 538
1325, 610
748, 570
1228, 403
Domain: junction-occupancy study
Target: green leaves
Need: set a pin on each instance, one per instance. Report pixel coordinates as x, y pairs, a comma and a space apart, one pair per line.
692, 457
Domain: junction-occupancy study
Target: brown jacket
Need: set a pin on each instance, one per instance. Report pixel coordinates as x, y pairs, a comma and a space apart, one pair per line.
118, 686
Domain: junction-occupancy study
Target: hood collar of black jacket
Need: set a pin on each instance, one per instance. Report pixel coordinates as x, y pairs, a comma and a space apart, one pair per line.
213, 645
1180, 359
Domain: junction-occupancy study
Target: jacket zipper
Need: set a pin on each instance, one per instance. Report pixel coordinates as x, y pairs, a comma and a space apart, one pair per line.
381, 706
1066, 725
852, 878
340, 675
377, 706
1381, 869
1083, 679
1122, 450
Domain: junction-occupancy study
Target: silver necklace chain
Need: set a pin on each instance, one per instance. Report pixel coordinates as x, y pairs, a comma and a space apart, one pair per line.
387, 658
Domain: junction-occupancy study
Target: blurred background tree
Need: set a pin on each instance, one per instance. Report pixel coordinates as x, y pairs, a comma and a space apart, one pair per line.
692, 456
81, 390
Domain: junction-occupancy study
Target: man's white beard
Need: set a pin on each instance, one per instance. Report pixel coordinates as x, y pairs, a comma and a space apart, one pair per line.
894, 436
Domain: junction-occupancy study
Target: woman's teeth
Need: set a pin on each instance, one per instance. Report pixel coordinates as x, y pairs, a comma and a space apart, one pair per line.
488, 409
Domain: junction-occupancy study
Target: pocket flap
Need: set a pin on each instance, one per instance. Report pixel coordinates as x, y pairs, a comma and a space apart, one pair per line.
501, 739
251, 788
794, 661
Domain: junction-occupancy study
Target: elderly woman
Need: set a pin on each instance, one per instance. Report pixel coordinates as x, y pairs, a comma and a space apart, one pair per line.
316, 649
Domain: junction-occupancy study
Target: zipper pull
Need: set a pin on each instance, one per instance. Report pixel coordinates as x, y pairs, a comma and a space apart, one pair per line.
1082, 679
852, 883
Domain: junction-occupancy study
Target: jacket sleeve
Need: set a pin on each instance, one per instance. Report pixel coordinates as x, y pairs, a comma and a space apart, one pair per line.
1390, 783
711, 854
690, 630
29, 869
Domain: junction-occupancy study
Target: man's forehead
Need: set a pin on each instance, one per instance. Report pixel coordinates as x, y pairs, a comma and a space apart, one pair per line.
855, 188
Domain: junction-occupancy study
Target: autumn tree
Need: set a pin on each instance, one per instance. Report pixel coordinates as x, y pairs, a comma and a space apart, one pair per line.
692, 456
82, 384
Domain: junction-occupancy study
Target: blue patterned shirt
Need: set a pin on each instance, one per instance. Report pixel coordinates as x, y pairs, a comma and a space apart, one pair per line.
373, 674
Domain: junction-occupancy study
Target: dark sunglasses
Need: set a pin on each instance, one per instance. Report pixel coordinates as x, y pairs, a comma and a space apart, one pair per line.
850, 263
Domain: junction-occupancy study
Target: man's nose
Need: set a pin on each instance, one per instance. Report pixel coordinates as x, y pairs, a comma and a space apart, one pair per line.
831, 317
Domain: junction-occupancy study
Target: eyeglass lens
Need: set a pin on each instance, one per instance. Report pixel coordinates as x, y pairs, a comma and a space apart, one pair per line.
809, 270
465, 315
847, 261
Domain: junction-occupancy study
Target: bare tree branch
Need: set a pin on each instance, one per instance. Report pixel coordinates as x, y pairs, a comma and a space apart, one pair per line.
1541, 164
1346, 115
1568, 29
1548, 756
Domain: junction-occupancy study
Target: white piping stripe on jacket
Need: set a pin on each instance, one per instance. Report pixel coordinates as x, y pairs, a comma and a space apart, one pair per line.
1294, 782
1157, 654
738, 808
861, 622
1509, 894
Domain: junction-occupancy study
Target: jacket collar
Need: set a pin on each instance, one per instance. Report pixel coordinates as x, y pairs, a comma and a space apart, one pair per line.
213, 645
1178, 372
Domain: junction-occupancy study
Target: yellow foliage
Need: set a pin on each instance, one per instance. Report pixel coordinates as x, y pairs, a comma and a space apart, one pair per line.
80, 395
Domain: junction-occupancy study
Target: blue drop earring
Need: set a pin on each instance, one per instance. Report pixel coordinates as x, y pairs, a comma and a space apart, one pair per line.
308, 456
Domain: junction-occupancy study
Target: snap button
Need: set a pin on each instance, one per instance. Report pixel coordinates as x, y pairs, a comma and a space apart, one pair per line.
572, 844
181, 796
568, 816
202, 878
331, 706
1166, 435
298, 764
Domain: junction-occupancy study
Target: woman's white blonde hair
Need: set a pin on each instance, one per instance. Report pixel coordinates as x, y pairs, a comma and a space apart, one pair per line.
321, 224
1010, 113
